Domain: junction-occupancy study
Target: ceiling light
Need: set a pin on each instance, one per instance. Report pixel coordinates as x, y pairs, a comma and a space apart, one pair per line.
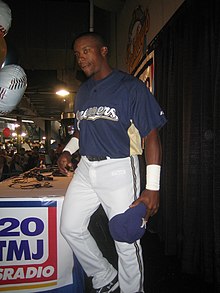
62, 93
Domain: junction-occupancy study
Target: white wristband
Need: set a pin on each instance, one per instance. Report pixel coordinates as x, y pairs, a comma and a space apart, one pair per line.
153, 177
72, 146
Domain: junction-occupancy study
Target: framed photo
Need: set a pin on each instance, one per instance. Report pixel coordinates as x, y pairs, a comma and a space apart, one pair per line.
145, 71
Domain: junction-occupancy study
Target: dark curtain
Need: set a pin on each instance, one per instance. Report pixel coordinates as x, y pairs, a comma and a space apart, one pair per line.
187, 85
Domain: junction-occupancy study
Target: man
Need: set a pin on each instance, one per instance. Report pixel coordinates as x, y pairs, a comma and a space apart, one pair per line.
108, 107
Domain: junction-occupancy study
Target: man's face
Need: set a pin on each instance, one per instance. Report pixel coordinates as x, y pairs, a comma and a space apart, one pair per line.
90, 55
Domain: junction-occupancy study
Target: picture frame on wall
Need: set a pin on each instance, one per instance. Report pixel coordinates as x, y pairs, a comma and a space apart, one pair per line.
145, 71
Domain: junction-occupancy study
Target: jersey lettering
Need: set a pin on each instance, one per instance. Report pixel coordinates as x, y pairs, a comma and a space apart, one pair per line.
102, 112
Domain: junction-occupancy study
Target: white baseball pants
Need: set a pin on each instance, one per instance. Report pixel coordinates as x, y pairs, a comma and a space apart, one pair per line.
115, 183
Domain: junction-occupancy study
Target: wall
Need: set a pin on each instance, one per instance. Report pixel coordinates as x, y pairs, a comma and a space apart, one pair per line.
160, 12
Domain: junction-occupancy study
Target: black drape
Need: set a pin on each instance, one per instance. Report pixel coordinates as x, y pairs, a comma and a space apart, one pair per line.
187, 85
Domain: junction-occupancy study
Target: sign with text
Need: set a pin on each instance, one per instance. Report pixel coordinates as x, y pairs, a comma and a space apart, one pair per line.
29, 242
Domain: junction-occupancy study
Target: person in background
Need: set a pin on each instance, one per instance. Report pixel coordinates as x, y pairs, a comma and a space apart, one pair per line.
24, 158
34, 158
53, 156
4, 168
16, 166
4, 152
106, 106
59, 149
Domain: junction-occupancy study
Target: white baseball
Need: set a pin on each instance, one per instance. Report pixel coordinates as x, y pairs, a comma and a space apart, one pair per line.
13, 83
5, 18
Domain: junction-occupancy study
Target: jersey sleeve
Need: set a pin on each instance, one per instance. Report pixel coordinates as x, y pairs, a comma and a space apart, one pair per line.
146, 112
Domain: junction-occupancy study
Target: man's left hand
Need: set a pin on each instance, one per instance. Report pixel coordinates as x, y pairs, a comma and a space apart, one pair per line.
151, 200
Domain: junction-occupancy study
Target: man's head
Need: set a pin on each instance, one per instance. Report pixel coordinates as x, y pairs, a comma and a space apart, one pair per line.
91, 53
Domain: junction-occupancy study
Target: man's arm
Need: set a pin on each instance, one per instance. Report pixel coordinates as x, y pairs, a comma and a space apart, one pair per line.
64, 160
153, 157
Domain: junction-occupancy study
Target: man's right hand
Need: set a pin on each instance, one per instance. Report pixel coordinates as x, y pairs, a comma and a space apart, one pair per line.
64, 163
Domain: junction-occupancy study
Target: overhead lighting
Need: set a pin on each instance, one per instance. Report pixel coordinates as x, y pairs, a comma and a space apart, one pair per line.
14, 119
62, 93
14, 134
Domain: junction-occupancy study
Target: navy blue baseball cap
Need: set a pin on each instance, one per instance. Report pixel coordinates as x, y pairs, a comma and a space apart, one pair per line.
130, 225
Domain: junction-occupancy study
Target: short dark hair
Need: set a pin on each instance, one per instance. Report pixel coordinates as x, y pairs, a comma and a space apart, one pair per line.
98, 37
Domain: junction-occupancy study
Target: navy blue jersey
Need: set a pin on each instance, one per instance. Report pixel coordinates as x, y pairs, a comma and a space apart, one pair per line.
105, 110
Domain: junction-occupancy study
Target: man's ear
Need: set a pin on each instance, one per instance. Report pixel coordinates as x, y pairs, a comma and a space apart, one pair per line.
104, 51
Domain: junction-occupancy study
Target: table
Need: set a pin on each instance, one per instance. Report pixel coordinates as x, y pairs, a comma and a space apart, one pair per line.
34, 256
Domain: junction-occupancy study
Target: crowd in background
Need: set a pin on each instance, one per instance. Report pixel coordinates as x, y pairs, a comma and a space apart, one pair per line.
15, 163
